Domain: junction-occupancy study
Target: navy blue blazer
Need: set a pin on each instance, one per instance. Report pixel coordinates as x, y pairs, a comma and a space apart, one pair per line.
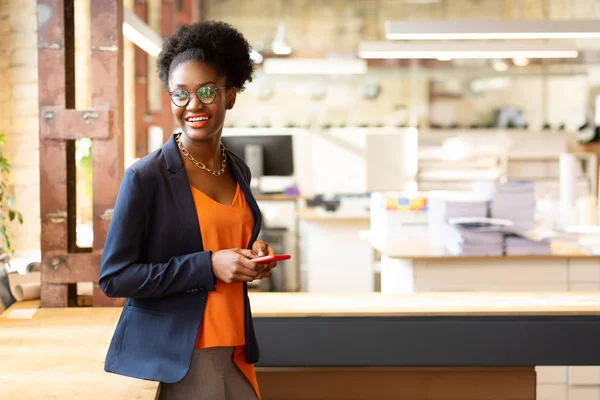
153, 256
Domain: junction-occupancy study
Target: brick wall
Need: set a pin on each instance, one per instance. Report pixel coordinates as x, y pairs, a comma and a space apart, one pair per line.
19, 114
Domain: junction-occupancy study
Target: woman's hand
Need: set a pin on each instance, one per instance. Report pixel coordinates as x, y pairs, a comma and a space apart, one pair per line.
260, 249
234, 265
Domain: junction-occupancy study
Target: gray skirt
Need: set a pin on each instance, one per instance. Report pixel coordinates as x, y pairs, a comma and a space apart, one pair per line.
213, 375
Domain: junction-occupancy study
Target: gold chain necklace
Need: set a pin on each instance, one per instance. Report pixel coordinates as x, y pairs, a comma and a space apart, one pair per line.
198, 163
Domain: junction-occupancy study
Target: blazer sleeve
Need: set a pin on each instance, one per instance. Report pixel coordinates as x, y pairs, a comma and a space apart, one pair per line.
121, 272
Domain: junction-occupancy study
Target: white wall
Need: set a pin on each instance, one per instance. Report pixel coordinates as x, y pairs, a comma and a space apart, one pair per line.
555, 99
341, 101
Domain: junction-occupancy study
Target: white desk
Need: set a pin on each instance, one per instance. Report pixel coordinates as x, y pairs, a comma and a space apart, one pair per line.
334, 257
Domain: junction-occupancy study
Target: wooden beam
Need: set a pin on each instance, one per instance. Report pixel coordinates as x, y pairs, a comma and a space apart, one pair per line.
107, 91
56, 88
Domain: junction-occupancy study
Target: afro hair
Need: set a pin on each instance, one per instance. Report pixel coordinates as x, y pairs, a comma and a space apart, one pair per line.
216, 43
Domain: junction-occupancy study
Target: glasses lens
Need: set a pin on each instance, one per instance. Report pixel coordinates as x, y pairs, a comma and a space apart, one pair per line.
207, 94
180, 97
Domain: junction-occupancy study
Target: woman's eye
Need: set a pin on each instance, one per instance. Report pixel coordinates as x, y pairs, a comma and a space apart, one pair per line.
207, 92
180, 94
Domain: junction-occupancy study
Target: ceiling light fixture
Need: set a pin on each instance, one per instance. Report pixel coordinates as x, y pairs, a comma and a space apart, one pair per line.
521, 62
492, 29
256, 57
309, 66
280, 45
500, 65
465, 50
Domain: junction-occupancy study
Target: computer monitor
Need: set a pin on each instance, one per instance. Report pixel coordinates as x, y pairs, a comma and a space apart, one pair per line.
277, 152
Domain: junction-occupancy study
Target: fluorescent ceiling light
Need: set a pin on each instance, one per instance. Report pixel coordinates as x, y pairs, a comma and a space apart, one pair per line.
492, 29
462, 50
310, 66
140, 33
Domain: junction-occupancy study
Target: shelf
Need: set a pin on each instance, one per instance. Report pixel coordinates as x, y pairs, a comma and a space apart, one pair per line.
276, 197
544, 156
262, 131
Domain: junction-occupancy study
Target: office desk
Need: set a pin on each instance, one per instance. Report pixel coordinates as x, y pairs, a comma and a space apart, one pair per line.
430, 270
439, 346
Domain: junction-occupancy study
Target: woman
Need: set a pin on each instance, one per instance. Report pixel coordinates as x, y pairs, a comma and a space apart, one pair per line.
183, 234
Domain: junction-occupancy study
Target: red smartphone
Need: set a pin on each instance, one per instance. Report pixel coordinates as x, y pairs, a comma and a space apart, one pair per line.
270, 259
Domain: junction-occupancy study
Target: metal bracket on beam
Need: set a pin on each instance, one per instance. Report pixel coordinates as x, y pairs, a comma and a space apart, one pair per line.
59, 267
61, 124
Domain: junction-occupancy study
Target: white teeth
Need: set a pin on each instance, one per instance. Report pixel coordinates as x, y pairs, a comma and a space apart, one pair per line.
196, 119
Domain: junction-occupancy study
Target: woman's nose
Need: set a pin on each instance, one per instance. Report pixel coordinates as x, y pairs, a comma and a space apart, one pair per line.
195, 104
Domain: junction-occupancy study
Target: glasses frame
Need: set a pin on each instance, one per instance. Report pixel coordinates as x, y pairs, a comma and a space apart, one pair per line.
196, 93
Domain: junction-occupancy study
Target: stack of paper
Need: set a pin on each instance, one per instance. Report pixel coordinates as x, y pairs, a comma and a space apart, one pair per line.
472, 242
466, 208
520, 246
445, 206
515, 201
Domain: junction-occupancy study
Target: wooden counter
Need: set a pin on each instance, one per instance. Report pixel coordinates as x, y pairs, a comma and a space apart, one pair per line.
59, 354
272, 305
459, 329
422, 346
417, 346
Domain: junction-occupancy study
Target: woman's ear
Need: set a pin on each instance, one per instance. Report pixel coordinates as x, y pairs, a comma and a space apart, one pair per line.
232, 93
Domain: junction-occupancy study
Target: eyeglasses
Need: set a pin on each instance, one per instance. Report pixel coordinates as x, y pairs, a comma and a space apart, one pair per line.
206, 94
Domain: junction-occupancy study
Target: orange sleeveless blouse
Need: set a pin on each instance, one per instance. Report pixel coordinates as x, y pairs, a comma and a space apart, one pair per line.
225, 227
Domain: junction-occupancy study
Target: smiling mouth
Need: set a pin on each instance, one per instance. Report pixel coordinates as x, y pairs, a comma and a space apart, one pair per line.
197, 119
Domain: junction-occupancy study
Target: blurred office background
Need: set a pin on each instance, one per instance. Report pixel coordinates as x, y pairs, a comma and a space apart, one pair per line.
371, 128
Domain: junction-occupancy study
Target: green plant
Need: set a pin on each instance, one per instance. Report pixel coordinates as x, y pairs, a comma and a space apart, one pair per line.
7, 212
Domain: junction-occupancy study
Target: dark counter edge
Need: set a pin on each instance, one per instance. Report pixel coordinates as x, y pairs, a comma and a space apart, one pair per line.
428, 341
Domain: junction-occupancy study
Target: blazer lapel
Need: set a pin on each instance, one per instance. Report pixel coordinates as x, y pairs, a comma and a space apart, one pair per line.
186, 209
182, 194
237, 173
